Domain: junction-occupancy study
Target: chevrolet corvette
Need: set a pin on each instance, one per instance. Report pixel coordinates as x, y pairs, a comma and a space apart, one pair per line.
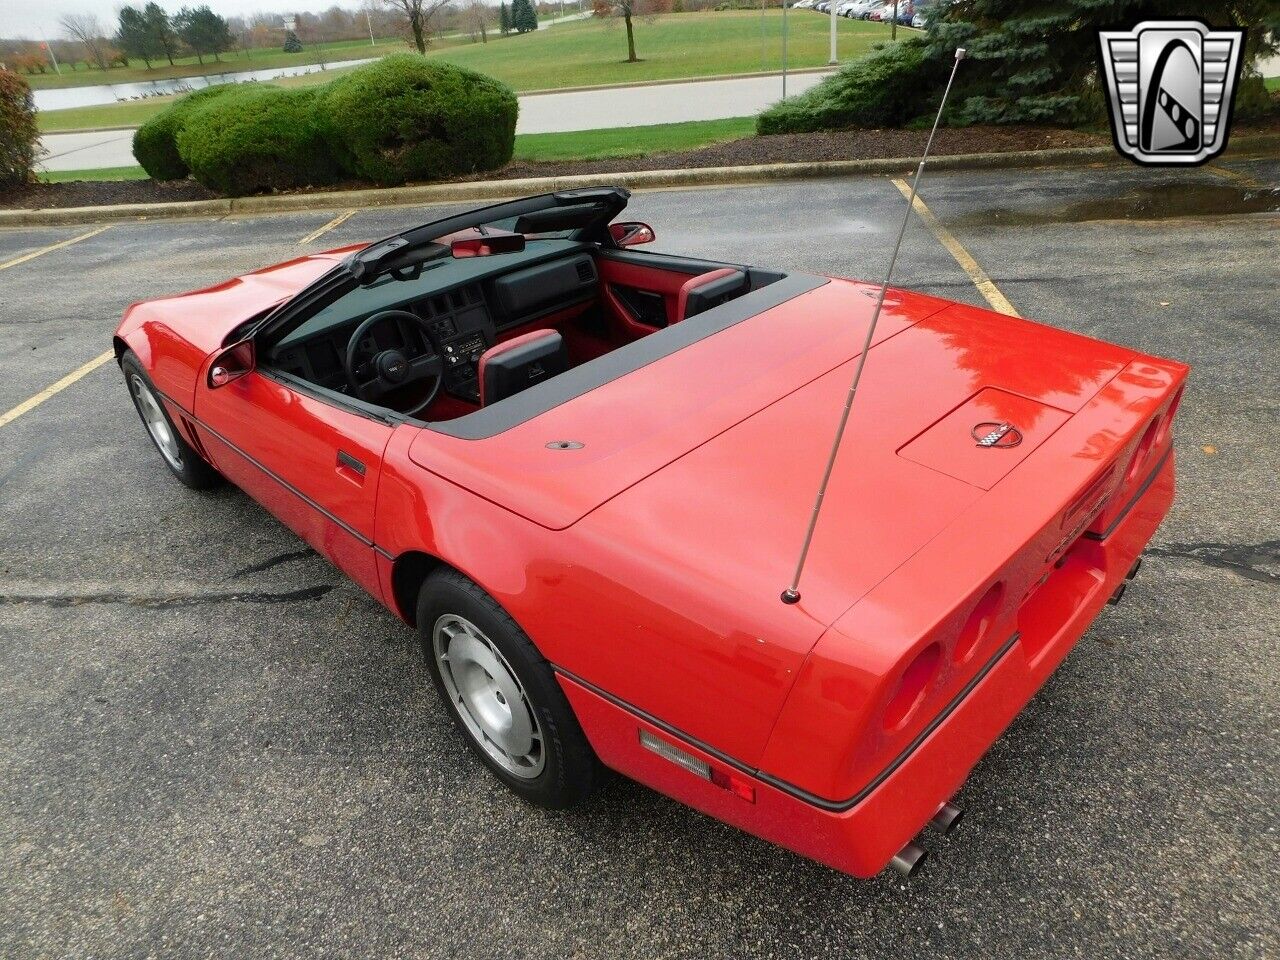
582, 472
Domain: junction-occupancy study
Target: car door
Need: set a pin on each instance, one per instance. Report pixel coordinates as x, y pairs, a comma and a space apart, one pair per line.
313, 464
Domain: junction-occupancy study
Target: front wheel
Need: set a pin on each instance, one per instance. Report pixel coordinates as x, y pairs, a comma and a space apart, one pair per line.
179, 456
502, 694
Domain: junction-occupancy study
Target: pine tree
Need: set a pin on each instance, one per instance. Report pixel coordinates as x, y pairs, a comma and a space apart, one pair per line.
1036, 63
523, 17
203, 31
504, 18
135, 37
291, 43
162, 29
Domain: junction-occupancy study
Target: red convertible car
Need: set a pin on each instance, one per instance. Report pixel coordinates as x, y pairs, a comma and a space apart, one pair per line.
583, 472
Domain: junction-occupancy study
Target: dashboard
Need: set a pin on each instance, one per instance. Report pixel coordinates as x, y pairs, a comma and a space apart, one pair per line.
464, 318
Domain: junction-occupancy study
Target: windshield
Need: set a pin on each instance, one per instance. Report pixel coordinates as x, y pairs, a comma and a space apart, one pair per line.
397, 287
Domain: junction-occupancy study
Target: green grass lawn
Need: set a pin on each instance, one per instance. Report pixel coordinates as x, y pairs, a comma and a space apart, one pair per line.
589, 52
630, 141
592, 52
106, 173
543, 147
107, 115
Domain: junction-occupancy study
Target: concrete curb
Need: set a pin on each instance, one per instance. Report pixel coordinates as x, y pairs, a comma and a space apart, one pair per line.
505, 189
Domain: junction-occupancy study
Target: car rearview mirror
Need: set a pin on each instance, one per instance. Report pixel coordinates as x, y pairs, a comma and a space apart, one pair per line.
487, 246
231, 364
631, 234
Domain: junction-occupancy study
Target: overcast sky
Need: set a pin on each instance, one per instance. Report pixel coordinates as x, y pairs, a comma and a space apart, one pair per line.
28, 18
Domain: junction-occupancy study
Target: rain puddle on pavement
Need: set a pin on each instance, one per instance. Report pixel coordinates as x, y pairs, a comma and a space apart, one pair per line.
1163, 201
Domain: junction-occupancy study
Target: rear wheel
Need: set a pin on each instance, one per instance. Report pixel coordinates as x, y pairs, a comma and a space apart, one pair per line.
502, 694
179, 456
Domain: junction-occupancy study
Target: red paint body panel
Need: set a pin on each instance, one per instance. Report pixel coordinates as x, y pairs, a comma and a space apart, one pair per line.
862, 839
256, 422
640, 422
647, 565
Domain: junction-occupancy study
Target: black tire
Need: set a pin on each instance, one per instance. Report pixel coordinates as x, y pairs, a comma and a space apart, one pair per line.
569, 769
183, 460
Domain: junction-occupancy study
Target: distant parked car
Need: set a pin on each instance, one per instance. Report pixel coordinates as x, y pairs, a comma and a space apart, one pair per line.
920, 21
862, 8
882, 13
906, 11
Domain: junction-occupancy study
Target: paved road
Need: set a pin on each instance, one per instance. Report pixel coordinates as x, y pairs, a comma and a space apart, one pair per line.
542, 113
197, 758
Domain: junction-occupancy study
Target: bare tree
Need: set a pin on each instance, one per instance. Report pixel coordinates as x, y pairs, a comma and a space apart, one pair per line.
417, 15
86, 29
627, 10
478, 17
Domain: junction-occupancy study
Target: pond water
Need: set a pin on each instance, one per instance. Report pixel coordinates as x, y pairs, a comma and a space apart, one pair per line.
112, 92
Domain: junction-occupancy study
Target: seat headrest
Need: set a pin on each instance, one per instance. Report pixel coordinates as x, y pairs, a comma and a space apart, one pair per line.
708, 290
511, 366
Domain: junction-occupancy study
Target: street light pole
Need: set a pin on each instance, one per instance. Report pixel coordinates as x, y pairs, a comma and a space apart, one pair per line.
834, 4
784, 49
369, 23
52, 56
764, 40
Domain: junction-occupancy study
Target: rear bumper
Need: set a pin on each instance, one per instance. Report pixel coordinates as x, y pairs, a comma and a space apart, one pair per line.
861, 838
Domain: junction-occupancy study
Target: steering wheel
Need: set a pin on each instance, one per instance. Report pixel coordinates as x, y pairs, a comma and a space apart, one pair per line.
373, 377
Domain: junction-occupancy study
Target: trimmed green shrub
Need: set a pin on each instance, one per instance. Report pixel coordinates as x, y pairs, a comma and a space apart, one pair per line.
155, 144
886, 88
410, 118
18, 134
1253, 101
257, 139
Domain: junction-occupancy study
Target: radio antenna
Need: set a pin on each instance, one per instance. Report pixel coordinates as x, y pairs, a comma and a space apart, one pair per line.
792, 593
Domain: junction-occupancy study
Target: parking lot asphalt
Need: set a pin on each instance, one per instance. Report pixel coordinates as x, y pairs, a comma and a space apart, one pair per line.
212, 744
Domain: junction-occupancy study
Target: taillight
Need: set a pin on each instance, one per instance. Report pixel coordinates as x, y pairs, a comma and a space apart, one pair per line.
1166, 425
912, 687
1143, 452
978, 625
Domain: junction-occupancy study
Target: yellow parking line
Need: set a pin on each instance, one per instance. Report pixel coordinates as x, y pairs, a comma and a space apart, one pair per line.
1230, 174
26, 405
336, 221
986, 286
52, 247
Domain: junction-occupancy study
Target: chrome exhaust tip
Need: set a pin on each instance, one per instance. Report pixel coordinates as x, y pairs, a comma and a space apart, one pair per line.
1115, 597
947, 818
1133, 571
908, 860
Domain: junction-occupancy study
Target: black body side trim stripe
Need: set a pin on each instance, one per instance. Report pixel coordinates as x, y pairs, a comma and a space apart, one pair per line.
277, 478
836, 806
1146, 485
549, 394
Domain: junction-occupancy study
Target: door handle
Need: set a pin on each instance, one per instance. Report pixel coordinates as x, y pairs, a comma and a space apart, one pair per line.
350, 467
